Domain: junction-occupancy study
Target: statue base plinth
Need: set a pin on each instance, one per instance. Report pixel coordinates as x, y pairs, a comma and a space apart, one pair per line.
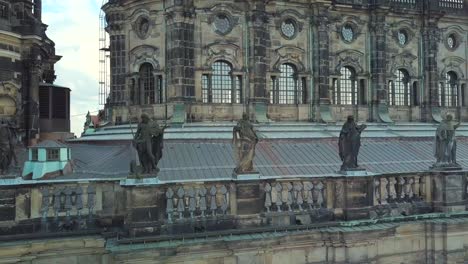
354, 172
251, 175
446, 167
140, 181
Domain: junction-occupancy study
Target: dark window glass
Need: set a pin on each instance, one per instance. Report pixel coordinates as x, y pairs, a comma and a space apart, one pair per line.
399, 92
59, 103
44, 102
448, 90
221, 86
345, 87
35, 154
147, 83
287, 88
53, 154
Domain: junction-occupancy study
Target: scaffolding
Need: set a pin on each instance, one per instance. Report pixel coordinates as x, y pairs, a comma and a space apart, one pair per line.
104, 76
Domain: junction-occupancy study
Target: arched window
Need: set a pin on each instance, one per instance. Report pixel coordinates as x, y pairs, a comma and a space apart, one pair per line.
399, 90
150, 86
448, 90
221, 86
345, 87
288, 88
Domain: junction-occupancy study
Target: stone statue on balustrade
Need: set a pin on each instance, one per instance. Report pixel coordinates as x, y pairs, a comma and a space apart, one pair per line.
445, 148
349, 144
244, 141
8, 140
148, 141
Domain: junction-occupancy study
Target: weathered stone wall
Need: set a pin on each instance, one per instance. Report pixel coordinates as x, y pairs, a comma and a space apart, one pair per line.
183, 39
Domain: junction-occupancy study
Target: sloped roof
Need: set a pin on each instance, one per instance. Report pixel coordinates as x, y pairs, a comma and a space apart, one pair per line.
214, 160
50, 144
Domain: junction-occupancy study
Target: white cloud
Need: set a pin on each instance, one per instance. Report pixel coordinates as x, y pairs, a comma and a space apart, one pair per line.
74, 27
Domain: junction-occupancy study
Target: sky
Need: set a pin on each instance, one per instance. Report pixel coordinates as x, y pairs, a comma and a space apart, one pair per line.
74, 27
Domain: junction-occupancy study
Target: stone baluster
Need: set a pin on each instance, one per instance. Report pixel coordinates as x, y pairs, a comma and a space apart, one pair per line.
192, 203
267, 197
289, 196
383, 190
180, 202
417, 186
202, 200
401, 183
79, 201
279, 196
213, 205
45, 202
169, 204
68, 203
409, 187
57, 204
376, 191
392, 188
91, 201
423, 188
319, 194
308, 187
298, 195
224, 198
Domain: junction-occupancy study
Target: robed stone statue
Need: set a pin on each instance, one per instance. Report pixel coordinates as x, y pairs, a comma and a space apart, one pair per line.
349, 144
445, 149
244, 140
149, 144
7, 146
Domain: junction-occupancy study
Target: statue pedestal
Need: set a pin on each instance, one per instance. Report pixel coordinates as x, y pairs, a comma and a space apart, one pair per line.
445, 167
449, 191
354, 172
252, 175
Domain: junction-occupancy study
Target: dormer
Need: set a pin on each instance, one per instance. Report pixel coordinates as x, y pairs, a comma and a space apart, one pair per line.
47, 159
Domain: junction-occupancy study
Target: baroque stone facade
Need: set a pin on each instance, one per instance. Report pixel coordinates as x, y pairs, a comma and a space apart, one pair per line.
27, 58
382, 61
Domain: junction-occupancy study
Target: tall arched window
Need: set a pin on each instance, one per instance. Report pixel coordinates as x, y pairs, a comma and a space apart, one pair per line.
288, 88
399, 90
150, 86
221, 86
448, 90
345, 87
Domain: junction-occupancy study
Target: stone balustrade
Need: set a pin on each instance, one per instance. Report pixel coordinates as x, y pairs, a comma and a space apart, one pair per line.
191, 207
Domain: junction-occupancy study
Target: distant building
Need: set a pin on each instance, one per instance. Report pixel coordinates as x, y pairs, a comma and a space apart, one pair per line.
27, 58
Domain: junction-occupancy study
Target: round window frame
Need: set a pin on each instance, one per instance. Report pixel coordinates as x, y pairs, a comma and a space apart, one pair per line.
456, 39
229, 19
353, 30
295, 25
406, 34
138, 23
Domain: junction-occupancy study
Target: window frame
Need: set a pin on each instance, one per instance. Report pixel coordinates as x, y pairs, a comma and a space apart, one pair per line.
221, 85
288, 88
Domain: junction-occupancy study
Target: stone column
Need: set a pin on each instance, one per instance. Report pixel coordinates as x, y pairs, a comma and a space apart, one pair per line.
430, 99
323, 54
259, 59
38, 9
378, 53
32, 107
181, 51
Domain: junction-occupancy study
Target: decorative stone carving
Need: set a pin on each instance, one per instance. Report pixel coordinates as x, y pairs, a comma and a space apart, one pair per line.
289, 54
405, 61
222, 51
142, 26
455, 64
348, 57
144, 54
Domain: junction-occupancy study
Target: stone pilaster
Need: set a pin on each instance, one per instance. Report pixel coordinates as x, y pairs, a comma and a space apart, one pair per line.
430, 99
181, 51
323, 54
259, 59
378, 57
32, 103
